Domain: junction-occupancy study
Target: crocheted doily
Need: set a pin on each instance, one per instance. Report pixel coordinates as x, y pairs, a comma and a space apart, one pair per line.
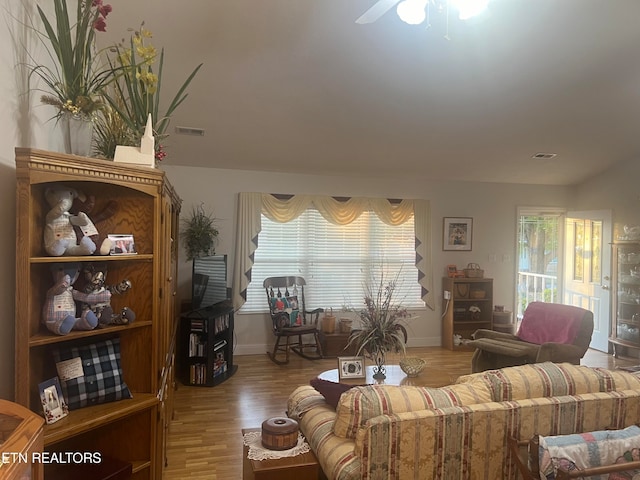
257, 452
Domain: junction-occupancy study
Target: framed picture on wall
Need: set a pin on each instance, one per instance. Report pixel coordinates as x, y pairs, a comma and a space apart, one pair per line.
457, 233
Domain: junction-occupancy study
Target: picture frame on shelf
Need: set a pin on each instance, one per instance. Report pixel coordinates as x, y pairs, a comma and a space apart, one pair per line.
52, 400
457, 233
351, 367
122, 244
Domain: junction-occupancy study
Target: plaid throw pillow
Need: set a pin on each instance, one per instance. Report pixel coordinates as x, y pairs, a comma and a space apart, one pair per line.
102, 381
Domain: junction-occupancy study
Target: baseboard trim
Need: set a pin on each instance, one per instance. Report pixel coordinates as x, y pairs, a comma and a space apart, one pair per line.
261, 349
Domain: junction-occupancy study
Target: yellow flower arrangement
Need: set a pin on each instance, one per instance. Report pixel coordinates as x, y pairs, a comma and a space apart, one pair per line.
136, 93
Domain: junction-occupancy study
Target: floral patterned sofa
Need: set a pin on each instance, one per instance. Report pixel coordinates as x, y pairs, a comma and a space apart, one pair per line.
460, 431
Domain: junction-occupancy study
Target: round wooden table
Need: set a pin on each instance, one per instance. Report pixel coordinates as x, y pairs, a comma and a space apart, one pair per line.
395, 376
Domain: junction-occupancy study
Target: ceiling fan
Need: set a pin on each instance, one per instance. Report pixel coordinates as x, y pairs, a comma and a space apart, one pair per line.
414, 11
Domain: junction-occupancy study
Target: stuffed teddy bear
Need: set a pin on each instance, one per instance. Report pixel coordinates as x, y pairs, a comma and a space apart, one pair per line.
59, 235
86, 204
95, 283
59, 311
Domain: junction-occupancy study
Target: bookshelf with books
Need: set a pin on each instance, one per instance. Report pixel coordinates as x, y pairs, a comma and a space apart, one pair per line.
206, 346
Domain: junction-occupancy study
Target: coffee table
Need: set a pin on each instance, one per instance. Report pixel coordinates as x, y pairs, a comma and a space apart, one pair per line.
395, 376
301, 467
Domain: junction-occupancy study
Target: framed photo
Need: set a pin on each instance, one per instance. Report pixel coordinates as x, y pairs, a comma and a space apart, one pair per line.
122, 245
457, 233
52, 400
351, 367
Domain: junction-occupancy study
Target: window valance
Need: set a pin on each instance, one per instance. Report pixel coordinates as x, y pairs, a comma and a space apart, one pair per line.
338, 211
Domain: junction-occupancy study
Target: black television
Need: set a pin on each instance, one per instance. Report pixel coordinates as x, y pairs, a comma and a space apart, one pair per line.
209, 281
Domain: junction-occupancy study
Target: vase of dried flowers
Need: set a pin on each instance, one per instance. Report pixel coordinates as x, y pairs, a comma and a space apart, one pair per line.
381, 324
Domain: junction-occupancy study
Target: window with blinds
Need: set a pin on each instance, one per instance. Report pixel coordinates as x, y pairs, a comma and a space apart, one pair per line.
335, 260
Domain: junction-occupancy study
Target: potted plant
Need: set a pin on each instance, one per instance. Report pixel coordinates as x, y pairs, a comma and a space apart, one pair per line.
382, 324
74, 82
135, 94
200, 234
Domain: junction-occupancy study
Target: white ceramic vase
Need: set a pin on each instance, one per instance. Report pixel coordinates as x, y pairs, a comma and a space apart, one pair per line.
77, 134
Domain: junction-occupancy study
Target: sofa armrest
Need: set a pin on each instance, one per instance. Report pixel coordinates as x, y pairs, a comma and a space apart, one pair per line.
560, 352
485, 333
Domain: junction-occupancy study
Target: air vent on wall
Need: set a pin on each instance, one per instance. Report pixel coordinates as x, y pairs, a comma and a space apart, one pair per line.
197, 132
544, 155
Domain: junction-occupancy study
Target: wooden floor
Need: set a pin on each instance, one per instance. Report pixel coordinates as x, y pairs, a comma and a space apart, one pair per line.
205, 440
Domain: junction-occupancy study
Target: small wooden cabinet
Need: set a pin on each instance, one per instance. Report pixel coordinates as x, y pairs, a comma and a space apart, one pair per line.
625, 298
20, 441
335, 345
206, 345
130, 430
459, 315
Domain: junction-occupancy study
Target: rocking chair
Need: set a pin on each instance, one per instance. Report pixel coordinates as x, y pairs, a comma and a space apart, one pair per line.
290, 319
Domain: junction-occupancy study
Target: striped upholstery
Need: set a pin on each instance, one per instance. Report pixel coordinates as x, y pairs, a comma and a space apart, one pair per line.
467, 440
619, 380
336, 455
302, 400
542, 380
470, 442
360, 404
552, 380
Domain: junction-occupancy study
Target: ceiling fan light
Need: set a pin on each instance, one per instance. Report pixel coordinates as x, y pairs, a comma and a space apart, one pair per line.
412, 11
469, 8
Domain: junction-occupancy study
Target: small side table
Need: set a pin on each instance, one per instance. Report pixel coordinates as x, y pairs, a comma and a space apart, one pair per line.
335, 345
300, 467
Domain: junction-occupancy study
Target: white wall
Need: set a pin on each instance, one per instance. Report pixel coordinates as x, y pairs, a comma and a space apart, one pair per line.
21, 126
492, 206
617, 189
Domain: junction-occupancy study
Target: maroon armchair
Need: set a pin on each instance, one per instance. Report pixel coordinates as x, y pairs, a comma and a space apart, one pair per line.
549, 332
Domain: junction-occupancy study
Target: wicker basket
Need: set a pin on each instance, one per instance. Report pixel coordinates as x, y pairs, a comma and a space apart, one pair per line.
412, 366
477, 294
473, 270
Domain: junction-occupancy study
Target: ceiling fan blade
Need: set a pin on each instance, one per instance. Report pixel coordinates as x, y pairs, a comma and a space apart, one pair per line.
376, 11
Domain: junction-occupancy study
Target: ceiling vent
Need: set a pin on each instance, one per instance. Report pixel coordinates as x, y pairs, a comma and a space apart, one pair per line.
544, 155
196, 132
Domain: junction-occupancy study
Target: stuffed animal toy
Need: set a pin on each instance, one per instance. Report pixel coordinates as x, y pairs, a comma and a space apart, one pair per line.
95, 278
59, 235
59, 312
86, 204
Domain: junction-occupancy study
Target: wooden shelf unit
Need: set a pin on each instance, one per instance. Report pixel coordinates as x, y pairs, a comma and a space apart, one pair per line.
206, 345
457, 319
131, 430
625, 299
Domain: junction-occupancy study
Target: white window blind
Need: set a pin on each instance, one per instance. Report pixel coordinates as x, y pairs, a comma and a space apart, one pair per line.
335, 260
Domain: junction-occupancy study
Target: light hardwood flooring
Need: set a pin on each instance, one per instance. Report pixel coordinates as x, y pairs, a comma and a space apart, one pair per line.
205, 441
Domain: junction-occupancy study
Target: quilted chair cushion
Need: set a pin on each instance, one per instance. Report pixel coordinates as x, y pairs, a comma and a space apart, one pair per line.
586, 450
360, 404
